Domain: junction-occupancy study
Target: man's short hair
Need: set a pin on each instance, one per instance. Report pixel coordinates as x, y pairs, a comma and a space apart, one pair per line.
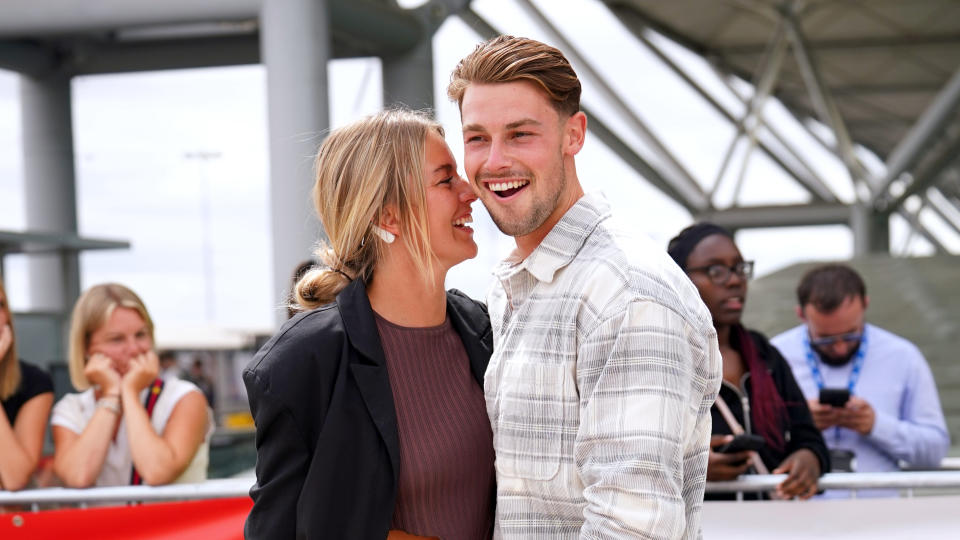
827, 286
506, 59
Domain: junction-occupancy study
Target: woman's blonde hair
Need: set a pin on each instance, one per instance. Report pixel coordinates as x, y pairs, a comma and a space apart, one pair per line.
9, 364
91, 312
361, 169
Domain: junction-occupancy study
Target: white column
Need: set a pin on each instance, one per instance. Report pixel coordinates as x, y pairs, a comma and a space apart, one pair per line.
49, 187
295, 43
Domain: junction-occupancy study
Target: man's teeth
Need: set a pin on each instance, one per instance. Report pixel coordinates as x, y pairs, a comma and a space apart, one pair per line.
503, 186
463, 221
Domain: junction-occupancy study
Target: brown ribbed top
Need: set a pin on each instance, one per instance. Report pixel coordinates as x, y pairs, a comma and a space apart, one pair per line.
446, 472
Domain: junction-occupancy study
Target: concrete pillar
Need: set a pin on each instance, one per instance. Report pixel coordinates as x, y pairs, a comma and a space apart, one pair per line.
408, 78
49, 187
295, 44
871, 230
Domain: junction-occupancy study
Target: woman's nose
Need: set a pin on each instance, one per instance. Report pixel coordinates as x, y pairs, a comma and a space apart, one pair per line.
467, 193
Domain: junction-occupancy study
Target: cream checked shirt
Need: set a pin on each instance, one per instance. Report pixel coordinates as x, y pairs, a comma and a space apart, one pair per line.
604, 369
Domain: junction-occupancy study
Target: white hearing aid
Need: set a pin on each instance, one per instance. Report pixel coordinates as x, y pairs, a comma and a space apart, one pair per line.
384, 235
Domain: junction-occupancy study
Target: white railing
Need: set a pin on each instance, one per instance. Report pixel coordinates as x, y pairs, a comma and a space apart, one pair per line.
240, 487
943, 479
211, 489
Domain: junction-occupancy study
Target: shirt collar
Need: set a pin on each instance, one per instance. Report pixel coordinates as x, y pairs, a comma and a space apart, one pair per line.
563, 242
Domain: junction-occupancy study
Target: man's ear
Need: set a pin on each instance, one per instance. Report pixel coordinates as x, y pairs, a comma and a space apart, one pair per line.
866, 302
799, 310
575, 132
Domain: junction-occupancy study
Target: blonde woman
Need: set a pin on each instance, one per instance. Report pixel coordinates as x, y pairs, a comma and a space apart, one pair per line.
369, 406
127, 426
27, 393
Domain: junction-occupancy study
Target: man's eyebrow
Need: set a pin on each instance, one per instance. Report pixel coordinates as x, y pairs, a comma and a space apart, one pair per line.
512, 125
523, 122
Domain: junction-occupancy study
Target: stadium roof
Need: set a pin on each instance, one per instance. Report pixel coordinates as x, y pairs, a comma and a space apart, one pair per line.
887, 68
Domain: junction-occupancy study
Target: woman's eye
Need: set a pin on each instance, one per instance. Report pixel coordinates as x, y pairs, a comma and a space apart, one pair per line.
446, 180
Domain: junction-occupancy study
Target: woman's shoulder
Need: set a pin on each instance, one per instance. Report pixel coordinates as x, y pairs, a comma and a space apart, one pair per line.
34, 380
473, 310
306, 336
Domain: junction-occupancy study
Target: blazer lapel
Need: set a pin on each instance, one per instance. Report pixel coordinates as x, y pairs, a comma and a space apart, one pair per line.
369, 368
473, 325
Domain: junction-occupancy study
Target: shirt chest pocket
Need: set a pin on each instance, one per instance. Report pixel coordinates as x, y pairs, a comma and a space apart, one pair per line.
530, 420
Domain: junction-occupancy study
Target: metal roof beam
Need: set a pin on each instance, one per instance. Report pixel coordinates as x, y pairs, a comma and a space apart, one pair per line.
753, 217
822, 100
914, 220
915, 143
925, 177
27, 57
857, 43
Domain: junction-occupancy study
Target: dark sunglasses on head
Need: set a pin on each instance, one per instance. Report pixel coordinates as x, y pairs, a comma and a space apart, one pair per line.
829, 341
720, 273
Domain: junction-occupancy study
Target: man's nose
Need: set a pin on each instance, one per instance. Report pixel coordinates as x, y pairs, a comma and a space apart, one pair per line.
497, 158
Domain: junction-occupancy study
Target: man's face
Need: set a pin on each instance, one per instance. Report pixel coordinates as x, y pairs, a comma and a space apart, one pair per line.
515, 144
845, 321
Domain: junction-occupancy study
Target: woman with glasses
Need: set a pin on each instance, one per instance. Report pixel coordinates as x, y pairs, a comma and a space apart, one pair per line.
759, 396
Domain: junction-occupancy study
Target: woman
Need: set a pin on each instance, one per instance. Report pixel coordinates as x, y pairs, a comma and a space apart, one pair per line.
127, 426
369, 408
758, 393
27, 394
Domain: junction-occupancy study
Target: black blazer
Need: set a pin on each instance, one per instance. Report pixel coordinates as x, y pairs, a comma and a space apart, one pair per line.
327, 443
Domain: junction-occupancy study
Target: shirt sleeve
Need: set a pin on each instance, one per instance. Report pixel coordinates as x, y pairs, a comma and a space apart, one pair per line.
646, 381
919, 436
68, 413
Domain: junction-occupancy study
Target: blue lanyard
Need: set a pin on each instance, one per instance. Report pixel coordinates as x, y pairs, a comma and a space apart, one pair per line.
814, 362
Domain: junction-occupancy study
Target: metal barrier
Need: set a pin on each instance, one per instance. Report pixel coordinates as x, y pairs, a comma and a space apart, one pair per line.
240, 487
909, 481
211, 489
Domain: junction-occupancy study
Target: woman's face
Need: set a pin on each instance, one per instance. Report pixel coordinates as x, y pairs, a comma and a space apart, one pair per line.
448, 199
724, 300
122, 337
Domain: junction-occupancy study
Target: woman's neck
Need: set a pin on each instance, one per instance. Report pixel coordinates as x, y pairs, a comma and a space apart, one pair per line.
723, 335
400, 294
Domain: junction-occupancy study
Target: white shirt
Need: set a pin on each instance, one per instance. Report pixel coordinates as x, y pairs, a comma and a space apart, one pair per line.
599, 389
74, 412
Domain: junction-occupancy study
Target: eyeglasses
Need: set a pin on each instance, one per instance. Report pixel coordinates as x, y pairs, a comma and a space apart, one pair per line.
720, 273
829, 341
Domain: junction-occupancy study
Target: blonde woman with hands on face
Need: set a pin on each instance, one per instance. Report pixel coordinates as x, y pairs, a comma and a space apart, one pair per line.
26, 393
127, 426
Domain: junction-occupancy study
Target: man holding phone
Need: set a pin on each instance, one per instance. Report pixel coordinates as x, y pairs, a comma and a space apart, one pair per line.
870, 391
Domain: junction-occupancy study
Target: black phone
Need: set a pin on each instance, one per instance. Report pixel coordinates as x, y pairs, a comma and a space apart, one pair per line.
835, 397
742, 442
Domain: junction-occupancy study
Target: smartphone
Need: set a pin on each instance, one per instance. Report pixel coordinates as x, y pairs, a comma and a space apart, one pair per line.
742, 442
835, 397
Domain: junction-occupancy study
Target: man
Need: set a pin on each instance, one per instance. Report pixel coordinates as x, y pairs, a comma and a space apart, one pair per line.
893, 413
605, 360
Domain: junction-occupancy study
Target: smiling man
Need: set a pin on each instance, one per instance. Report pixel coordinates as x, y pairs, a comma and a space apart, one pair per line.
893, 412
605, 360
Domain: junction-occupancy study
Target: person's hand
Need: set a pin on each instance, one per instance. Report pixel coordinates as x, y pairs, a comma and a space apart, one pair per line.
100, 371
141, 371
725, 466
6, 339
824, 416
802, 469
857, 415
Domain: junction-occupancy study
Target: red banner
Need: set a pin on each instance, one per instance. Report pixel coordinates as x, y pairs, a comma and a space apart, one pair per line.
212, 519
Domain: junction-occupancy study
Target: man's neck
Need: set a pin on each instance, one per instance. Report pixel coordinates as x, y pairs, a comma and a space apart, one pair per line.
529, 242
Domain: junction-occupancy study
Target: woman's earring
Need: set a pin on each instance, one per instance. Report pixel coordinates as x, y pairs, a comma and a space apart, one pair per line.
384, 235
